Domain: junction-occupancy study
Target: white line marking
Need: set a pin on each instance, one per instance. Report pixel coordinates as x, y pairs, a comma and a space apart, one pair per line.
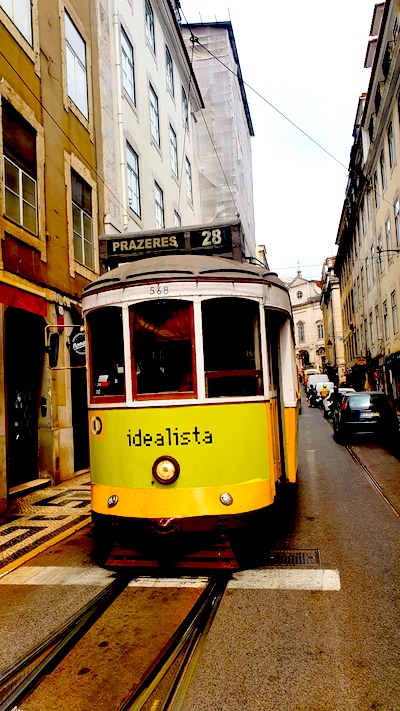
56, 575
168, 583
289, 579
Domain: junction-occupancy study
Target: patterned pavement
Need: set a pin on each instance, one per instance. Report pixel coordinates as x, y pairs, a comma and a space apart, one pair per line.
34, 520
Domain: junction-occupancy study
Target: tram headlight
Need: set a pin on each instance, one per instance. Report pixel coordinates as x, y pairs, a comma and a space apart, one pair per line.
112, 501
166, 470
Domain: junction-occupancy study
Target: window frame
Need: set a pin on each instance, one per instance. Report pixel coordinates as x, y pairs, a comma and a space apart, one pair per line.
150, 32
173, 152
382, 164
39, 240
104, 399
301, 331
176, 395
391, 146
169, 72
133, 176
185, 110
159, 206
393, 304
71, 162
154, 117
16, 5
128, 63
71, 52
189, 183
81, 235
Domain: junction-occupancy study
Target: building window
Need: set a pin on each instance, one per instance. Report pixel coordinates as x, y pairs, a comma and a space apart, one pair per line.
367, 273
396, 208
380, 255
362, 281
132, 168
383, 169
177, 219
127, 67
169, 71
20, 176
150, 34
185, 110
385, 320
392, 155
369, 206
76, 66
388, 238
154, 117
373, 263
82, 221
301, 331
299, 294
320, 331
394, 312
371, 328
159, 205
378, 323
376, 189
20, 12
363, 220
189, 186
173, 147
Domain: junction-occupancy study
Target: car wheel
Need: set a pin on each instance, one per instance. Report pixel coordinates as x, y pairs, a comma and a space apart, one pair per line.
338, 436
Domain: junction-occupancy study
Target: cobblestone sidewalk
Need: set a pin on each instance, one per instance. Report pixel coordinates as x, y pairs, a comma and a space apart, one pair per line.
37, 518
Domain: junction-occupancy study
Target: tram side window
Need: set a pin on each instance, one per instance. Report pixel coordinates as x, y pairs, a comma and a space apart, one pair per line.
163, 348
232, 350
107, 352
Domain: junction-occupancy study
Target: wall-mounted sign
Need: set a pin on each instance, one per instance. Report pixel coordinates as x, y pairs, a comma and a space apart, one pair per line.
78, 344
212, 239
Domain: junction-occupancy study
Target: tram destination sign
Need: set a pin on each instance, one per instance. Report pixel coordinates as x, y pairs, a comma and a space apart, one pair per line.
212, 239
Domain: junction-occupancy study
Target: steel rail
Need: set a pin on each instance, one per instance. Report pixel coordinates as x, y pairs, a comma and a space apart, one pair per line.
372, 481
187, 639
59, 643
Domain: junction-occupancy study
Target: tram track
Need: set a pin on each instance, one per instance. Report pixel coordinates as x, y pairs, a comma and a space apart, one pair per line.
372, 480
162, 684
17, 681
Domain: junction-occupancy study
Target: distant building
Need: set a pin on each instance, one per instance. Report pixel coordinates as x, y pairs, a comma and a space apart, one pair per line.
305, 295
332, 316
223, 129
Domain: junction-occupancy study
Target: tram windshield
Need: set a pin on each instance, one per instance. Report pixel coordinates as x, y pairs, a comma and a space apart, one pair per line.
163, 348
107, 353
232, 350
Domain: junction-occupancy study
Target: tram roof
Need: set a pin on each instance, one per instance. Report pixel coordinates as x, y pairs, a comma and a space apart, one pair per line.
183, 267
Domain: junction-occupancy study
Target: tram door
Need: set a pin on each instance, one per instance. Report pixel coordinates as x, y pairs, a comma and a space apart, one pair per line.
24, 352
274, 359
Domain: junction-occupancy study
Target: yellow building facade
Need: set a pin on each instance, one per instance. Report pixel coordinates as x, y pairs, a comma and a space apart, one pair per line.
49, 230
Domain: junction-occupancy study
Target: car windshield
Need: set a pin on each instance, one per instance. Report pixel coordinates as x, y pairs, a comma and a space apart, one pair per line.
367, 401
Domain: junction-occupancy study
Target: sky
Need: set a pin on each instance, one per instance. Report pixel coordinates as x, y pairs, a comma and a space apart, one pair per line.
307, 60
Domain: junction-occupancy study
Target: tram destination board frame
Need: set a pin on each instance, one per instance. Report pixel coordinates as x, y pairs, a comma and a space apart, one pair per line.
223, 239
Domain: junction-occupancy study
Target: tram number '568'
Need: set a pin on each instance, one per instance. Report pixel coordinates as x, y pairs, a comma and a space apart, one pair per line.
159, 290
211, 237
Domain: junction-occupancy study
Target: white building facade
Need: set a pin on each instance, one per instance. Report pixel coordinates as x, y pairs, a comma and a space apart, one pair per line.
305, 295
149, 96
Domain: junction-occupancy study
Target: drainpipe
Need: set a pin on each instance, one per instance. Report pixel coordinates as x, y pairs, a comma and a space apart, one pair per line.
120, 119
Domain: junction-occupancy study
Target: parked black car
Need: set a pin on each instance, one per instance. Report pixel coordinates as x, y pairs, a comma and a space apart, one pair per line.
366, 413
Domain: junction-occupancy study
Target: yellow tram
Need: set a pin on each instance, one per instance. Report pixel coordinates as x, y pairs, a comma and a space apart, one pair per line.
193, 395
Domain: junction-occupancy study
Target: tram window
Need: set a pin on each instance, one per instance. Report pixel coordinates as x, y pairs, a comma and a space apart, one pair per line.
107, 353
232, 351
163, 348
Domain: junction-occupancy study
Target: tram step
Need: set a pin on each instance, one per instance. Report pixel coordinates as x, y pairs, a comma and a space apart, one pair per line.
218, 557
